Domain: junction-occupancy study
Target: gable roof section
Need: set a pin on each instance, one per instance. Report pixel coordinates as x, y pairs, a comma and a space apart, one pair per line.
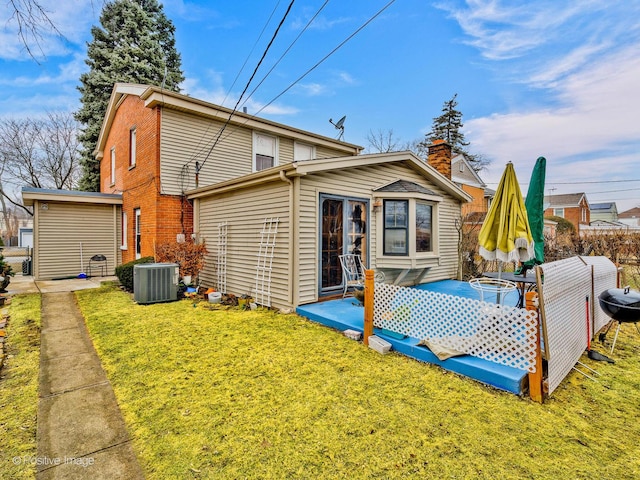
306, 167
632, 213
607, 207
468, 176
564, 200
30, 195
404, 186
154, 96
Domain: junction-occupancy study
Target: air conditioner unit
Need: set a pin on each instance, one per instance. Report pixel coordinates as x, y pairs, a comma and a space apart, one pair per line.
155, 282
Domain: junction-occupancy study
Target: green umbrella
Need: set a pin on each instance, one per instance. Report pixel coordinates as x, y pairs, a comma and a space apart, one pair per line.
535, 210
505, 234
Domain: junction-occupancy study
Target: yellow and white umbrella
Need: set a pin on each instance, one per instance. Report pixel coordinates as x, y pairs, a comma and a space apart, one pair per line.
505, 234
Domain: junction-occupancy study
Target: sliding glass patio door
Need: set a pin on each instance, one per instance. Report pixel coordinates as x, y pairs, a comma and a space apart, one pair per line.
343, 229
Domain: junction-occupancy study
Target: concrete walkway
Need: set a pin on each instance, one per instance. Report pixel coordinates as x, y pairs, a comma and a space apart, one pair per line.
80, 430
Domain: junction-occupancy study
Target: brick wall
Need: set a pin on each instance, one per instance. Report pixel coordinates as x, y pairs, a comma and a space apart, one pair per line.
162, 217
574, 214
440, 157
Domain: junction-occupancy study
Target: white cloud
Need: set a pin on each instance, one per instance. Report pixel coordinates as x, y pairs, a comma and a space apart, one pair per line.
505, 29
312, 89
71, 20
592, 135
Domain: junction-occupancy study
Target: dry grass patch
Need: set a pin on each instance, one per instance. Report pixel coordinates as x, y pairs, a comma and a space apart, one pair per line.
19, 389
232, 394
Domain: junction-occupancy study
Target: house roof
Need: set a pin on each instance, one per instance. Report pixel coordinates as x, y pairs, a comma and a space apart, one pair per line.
31, 194
608, 206
632, 213
301, 168
463, 173
154, 96
404, 186
564, 200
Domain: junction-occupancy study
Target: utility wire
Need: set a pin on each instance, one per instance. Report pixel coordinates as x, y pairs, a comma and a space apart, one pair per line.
200, 150
251, 52
255, 71
328, 55
323, 59
286, 51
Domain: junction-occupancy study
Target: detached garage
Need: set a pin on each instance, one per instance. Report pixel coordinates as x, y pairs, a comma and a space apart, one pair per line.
70, 227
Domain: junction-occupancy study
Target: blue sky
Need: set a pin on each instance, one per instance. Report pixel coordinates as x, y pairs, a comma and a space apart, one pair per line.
554, 78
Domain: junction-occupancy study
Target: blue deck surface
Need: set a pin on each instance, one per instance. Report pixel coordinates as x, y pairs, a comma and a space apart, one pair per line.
347, 314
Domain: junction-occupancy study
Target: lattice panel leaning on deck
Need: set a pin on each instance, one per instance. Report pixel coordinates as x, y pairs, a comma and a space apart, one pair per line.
501, 334
567, 283
605, 276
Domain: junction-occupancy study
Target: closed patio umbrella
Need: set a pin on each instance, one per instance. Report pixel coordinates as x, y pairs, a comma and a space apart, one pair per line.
534, 204
505, 234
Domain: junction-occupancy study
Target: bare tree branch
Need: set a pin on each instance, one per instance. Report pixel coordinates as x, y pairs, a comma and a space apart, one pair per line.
33, 23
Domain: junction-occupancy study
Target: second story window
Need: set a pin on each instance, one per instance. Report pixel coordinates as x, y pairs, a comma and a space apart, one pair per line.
558, 212
265, 151
132, 147
302, 151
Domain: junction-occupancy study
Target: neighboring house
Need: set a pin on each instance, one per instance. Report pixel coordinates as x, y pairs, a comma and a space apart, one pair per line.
607, 212
283, 203
465, 177
630, 217
571, 206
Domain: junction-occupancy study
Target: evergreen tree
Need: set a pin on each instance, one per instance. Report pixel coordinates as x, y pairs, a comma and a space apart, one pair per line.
134, 43
448, 127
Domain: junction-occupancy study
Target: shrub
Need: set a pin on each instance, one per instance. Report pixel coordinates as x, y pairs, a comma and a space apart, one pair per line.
124, 272
189, 255
564, 225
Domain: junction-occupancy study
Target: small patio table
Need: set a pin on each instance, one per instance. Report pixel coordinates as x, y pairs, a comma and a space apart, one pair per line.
524, 282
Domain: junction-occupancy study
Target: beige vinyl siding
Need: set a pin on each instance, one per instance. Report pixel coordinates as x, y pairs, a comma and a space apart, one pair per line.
285, 150
188, 138
244, 210
326, 152
359, 183
62, 227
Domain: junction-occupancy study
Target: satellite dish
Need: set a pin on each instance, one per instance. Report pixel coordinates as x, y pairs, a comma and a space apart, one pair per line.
339, 126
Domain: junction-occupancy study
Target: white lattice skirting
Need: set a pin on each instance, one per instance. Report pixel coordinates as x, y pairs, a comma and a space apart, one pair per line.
500, 334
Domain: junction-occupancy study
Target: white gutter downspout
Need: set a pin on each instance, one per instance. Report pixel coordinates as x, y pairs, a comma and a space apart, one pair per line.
293, 247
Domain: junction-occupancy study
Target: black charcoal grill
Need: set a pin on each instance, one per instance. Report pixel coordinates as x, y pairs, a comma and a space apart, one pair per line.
621, 305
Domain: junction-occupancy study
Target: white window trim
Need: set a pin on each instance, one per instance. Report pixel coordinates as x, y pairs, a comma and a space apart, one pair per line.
434, 201
125, 231
254, 150
113, 166
556, 215
137, 226
133, 150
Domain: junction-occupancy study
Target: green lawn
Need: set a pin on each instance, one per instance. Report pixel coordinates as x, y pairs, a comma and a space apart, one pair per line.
19, 389
215, 393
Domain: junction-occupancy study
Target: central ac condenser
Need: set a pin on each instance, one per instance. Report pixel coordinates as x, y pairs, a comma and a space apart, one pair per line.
155, 282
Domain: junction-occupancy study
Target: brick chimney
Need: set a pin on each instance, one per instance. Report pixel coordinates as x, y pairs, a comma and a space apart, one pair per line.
440, 157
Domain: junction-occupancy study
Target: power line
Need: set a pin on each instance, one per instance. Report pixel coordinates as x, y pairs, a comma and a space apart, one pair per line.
576, 183
323, 59
255, 71
328, 55
287, 50
246, 60
251, 52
